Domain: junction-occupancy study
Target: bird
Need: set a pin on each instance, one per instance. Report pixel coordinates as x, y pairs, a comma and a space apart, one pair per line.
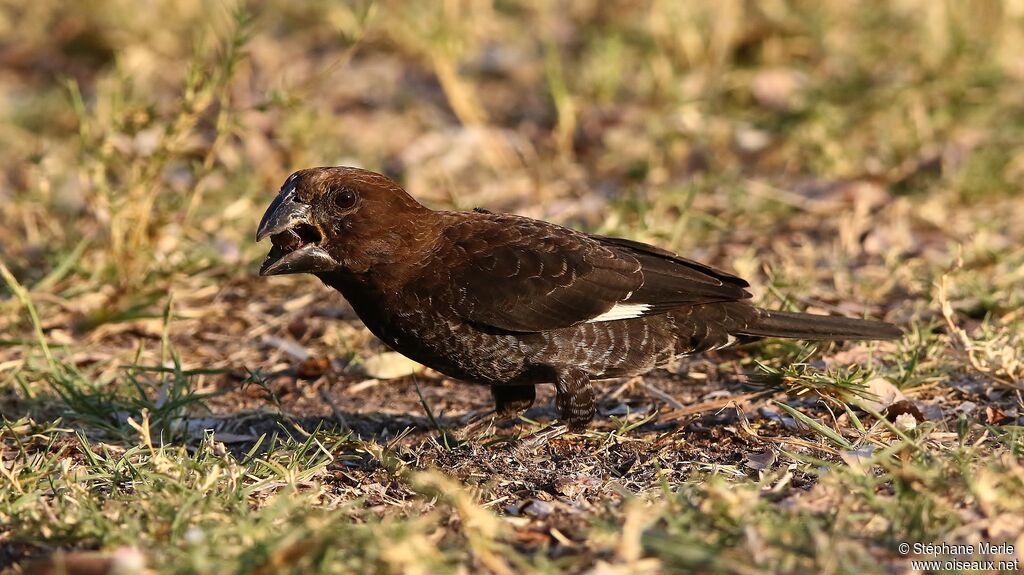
512, 302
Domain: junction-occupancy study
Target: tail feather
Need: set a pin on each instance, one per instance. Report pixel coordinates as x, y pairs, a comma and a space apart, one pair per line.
785, 324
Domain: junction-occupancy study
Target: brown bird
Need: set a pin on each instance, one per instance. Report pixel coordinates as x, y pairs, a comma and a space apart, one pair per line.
509, 301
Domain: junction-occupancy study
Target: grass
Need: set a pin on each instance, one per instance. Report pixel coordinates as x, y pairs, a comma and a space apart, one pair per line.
164, 409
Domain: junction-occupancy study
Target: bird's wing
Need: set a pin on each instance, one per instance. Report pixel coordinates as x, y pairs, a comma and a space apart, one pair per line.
522, 275
671, 280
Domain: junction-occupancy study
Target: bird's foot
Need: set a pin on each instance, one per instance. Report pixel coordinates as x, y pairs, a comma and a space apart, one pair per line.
511, 401
575, 400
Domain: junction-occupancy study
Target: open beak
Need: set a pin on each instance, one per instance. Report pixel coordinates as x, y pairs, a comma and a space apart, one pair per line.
295, 238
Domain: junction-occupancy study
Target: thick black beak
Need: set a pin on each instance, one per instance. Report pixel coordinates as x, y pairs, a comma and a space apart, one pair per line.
295, 238
284, 212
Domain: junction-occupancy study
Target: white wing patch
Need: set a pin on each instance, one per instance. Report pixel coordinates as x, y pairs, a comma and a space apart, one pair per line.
731, 339
622, 311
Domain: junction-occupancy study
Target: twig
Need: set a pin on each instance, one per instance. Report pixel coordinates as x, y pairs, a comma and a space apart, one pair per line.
715, 404
662, 395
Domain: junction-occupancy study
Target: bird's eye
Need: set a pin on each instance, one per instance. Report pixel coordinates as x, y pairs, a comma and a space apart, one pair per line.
345, 199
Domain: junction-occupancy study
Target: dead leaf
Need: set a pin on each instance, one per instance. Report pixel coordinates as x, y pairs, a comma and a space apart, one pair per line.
535, 508
390, 365
858, 459
966, 407
761, 461
883, 394
994, 415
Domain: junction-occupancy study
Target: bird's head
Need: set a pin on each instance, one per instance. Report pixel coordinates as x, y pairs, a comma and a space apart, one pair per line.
337, 219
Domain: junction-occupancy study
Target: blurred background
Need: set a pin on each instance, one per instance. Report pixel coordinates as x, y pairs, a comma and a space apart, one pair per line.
151, 135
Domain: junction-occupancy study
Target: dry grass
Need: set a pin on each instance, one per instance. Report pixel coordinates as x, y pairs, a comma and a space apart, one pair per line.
164, 407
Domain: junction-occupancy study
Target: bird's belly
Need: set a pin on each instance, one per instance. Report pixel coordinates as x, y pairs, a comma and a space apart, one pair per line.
609, 349
459, 350
455, 349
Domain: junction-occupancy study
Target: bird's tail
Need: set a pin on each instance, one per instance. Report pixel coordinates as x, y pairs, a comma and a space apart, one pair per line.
785, 324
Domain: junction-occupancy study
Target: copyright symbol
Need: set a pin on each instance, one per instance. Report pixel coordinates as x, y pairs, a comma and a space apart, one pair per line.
903, 548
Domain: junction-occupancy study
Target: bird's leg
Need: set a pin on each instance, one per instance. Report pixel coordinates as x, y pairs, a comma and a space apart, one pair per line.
575, 399
512, 400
